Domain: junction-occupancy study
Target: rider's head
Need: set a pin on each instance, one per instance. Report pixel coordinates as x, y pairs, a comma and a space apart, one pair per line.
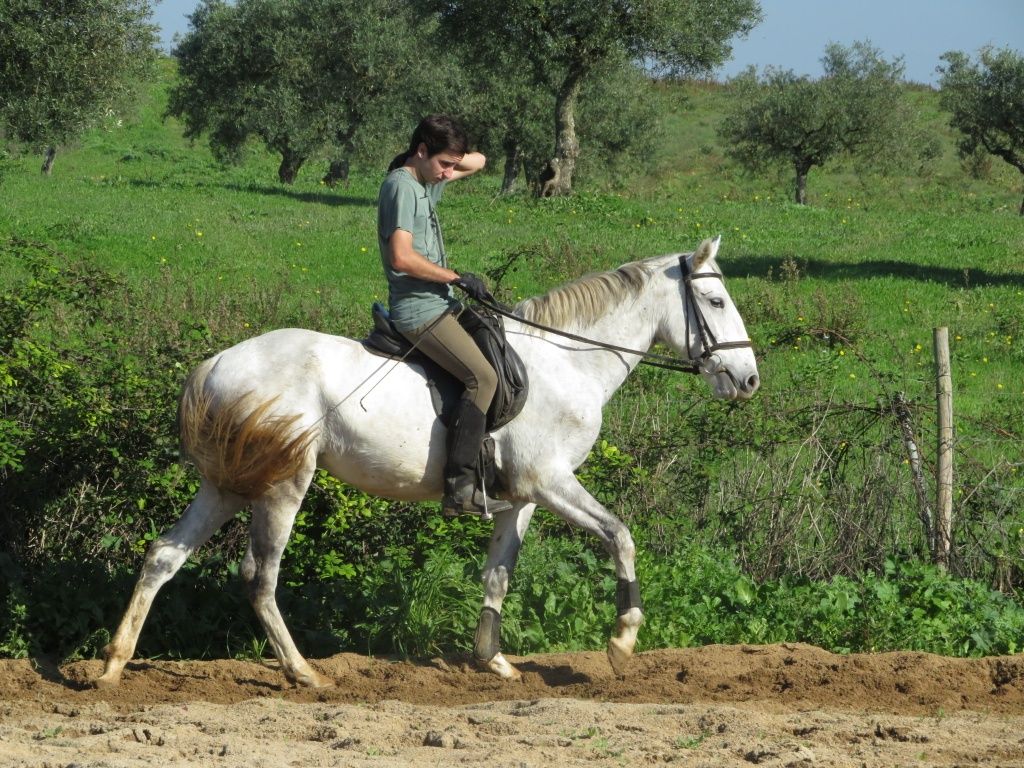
435, 134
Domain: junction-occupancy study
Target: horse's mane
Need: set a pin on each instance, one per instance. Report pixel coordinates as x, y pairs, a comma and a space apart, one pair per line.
584, 300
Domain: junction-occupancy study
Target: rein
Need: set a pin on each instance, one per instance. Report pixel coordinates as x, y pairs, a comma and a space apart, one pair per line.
708, 341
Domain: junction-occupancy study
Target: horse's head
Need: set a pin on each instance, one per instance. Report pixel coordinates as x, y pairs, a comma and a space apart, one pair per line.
704, 325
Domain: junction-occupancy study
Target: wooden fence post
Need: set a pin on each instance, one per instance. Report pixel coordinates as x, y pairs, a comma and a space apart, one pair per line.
944, 464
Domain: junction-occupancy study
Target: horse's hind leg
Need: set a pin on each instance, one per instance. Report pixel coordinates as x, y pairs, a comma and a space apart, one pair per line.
272, 518
209, 510
506, 541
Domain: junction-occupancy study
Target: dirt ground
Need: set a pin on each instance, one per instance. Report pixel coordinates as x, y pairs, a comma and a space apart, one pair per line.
782, 705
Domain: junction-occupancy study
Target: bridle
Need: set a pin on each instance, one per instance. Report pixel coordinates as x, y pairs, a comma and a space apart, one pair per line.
709, 343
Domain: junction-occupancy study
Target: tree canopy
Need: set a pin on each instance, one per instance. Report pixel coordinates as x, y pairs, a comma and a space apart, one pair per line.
274, 70
306, 77
66, 66
986, 102
856, 107
564, 43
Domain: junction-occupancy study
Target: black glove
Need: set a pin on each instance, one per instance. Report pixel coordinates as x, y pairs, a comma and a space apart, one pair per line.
474, 287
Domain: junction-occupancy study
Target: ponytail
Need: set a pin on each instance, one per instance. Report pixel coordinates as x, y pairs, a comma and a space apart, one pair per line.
399, 160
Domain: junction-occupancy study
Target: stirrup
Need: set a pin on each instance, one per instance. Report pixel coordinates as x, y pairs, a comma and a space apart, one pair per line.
475, 503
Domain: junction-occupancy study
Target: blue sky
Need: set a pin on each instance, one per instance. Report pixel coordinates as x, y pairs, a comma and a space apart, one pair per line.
794, 33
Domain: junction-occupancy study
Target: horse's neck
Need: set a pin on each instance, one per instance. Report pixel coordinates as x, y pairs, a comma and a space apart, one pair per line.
630, 326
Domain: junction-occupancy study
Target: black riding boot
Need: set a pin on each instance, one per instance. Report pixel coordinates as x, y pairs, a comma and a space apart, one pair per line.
460, 491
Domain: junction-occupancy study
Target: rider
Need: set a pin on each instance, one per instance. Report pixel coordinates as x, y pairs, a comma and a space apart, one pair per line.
420, 298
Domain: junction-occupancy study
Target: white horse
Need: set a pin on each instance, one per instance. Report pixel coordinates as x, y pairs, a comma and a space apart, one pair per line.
259, 418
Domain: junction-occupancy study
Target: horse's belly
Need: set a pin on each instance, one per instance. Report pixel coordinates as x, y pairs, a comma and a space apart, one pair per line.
379, 431
404, 464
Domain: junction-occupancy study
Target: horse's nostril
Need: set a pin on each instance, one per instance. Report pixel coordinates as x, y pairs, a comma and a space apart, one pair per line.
752, 383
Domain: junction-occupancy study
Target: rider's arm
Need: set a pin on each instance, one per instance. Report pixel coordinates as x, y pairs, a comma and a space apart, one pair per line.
470, 163
404, 258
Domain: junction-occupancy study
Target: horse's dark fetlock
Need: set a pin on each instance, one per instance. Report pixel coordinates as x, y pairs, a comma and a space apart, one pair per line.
627, 596
487, 643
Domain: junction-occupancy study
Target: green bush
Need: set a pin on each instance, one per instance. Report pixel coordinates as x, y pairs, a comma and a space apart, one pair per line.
88, 463
704, 598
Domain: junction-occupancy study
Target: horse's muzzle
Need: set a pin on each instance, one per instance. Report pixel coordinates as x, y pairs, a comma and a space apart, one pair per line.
727, 384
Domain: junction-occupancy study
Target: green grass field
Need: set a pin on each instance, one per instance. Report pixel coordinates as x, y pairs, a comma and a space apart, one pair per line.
840, 297
892, 257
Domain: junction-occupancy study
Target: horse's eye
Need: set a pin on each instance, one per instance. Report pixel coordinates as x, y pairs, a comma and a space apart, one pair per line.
718, 303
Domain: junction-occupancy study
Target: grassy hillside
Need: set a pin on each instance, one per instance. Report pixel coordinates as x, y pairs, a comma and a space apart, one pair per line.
895, 256
810, 480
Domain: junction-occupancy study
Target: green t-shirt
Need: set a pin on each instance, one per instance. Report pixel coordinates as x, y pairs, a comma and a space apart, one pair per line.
406, 204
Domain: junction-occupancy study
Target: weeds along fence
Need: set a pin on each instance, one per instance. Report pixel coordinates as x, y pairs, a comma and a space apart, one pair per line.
803, 484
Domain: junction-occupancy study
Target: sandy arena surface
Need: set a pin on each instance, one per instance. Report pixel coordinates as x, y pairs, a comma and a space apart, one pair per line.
781, 705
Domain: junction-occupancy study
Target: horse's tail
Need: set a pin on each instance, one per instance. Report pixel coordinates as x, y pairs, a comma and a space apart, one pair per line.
237, 445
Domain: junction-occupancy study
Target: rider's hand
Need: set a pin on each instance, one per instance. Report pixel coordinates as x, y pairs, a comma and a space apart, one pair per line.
473, 286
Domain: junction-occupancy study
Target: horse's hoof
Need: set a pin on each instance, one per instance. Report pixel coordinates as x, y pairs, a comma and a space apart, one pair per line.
619, 655
313, 679
500, 666
106, 681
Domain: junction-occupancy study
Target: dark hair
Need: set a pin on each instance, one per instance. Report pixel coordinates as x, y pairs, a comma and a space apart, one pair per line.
439, 133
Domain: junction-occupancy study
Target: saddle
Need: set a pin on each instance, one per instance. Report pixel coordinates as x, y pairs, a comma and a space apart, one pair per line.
488, 331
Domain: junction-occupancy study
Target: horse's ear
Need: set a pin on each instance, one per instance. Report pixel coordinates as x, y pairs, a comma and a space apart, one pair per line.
706, 251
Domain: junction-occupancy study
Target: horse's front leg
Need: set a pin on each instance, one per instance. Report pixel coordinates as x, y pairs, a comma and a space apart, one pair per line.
573, 503
506, 541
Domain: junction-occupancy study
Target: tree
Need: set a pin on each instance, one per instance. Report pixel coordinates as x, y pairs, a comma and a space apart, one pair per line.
242, 70
503, 111
563, 44
620, 123
306, 77
507, 116
856, 108
987, 103
65, 66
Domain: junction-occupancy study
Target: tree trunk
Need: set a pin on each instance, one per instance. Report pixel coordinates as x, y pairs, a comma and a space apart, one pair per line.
291, 162
337, 172
513, 160
51, 152
801, 183
344, 148
556, 180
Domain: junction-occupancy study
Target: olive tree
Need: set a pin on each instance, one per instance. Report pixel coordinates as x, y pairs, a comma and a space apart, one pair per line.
509, 116
65, 67
986, 102
856, 108
563, 44
504, 113
305, 77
